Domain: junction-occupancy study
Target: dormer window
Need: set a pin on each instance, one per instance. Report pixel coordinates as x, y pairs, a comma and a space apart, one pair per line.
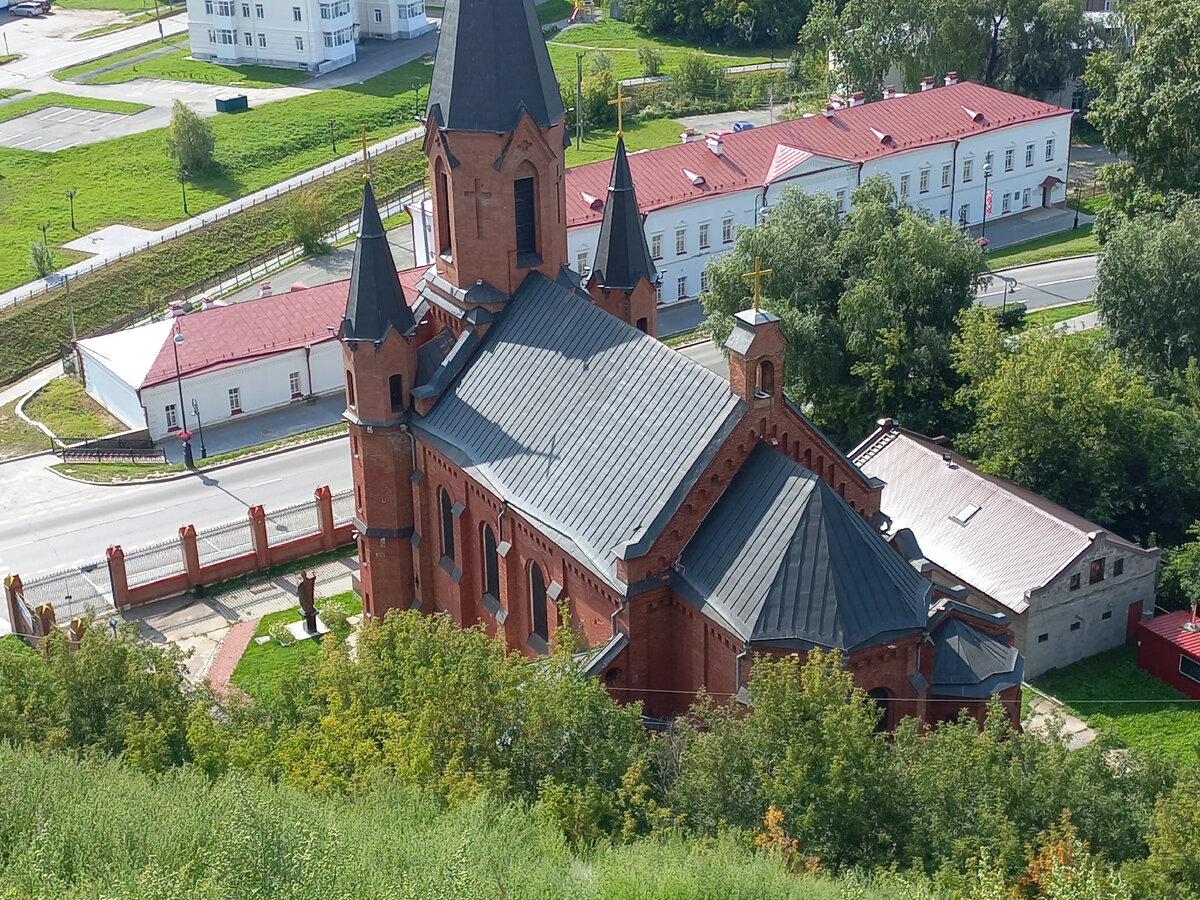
963, 516
593, 202
697, 180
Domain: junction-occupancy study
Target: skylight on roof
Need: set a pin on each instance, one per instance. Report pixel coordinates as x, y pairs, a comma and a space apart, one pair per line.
963, 516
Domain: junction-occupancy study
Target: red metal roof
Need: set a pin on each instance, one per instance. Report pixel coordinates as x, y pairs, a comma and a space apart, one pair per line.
853, 135
1171, 627
227, 335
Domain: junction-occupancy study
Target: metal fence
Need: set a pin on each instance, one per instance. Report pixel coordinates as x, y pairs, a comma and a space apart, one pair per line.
37, 288
222, 542
72, 592
154, 562
292, 522
343, 508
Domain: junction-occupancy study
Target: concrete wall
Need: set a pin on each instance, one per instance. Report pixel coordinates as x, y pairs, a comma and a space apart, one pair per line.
263, 385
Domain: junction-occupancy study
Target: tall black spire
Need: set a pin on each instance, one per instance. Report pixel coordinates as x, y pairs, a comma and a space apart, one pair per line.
376, 300
622, 257
492, 61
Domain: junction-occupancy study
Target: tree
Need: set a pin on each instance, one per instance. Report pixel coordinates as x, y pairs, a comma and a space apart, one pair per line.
650, 58
862, 39
1034, 46
868, 300
1147, 284
41, 258
309, 217
1179, 578
697, 77
190, 139
1147, 100
1062, 416
1172, 871
599, 63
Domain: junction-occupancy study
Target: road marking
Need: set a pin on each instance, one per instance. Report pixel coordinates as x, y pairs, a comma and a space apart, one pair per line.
1046, 284
148, 512
264, 483
15, 546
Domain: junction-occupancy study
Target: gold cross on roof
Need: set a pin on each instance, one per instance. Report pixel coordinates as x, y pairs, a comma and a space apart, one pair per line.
362, 141
757, 275
619, 104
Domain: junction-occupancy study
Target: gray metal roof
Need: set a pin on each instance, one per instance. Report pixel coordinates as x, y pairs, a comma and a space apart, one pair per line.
968, 662
582, 423
783, 560
622, 257
376, 300
491, 64
1015, 542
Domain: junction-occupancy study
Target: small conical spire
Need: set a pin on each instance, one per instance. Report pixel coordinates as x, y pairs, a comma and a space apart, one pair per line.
622, 257
376, 302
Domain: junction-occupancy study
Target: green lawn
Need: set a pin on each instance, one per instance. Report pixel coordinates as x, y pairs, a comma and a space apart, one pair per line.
639, 135
118, 5
1091, 205
65, 408
1055, 314
131, 179
17, 437
175, 65
554, 11
1053, 246
5, 93
1111, 692
8, 57
610, 33
41, 101
121, 56
262, 665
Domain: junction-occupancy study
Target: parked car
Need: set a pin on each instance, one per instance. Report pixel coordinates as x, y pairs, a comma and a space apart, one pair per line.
742, 126
27, 8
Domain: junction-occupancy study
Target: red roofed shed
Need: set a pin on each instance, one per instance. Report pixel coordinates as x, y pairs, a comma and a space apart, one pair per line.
1169, 648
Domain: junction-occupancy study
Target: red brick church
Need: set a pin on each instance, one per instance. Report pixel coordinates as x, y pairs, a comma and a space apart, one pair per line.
521, 440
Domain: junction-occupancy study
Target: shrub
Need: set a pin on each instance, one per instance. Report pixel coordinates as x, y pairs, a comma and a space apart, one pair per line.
41, 258
309, 217
334, 616
1010, 316
599, 63
279, 631
190, 139
697, 77
650, 59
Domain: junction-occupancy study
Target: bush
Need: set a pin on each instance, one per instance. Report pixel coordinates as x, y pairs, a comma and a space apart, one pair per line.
190, 139
279, 631
310, 217
697, 78
334, 616
41, 258
650, 59
1010, 316
600, 62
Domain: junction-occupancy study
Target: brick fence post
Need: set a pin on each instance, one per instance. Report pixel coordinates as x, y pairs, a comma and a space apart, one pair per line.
46, 620
324, 499
258, 537
117, 578
14, 593
75, 632
191, 554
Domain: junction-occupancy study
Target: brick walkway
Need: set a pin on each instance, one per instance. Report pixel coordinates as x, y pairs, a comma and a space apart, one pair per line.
232, 648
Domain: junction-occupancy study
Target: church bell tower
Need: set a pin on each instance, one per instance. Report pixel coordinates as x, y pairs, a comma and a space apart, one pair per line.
494, 137
379, 353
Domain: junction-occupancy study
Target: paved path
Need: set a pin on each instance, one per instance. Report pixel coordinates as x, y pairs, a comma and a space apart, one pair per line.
1047, 716
229, 653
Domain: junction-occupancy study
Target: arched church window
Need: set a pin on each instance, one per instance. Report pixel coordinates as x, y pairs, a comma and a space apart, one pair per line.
883, 701
349, 388
442, 210
525, 215
491, 564
447, 526
766, 378
537, 598
396, 390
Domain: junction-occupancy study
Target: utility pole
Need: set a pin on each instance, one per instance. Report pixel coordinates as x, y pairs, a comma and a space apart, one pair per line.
70, 305
158, 19
771, 102
578, 101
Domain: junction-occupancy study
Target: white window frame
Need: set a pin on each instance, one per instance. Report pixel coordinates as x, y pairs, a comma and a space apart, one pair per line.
1049, 149
581, 261
262, 40
339, 38
1028, 155
923, 186
294, 384
249, 39
1025, 198
378, 16
296, 17
299, 44
704, 280
226, 37
259, 12
246, 10
658, 294
208, 7
656, 245
680, 241
840, 198
947, 175
235, 401
171, 414
1009, 154
727, 230
1005, 204
681, 288
904, 183
968, 169
225, 8
703, 235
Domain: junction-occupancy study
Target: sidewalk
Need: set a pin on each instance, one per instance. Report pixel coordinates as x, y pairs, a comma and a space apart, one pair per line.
203, 625
247, 431
1047, 715
1035, 223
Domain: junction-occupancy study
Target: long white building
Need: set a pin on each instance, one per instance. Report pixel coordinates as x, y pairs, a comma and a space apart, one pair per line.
933, 145
316, 35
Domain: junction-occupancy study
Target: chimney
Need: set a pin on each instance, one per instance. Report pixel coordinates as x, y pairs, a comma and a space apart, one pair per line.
951, 78
889, 92
206, 303
836, 102
686, 137
858, 98
715, 143
927, 83
264, 290
827, 110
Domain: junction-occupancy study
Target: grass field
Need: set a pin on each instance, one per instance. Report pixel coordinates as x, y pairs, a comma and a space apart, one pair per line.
553, 11
1052, 246
131, 179
116, 5
65, 408
113, 58
41, 101
639, 135
9, 57
5, 93
176, 65
17, 437
1055, 314
260, 668
1111, 692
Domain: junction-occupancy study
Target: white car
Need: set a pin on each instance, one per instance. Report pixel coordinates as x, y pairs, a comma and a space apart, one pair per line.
27, 8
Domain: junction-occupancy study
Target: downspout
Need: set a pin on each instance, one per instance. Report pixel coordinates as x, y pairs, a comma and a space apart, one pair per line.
953, 175
500, 522
737, 669
308, 366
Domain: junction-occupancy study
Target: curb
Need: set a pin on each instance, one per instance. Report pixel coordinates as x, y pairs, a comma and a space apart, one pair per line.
179, 476
1046, 261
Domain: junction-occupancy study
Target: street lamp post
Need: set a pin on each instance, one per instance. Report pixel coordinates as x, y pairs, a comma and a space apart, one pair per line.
44, 227
182, 175
332, 134
71, 198
987, 174
200, 428
184, 434
1078, 200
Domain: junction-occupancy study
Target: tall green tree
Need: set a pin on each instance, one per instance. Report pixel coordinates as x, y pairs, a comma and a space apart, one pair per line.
1147, 102
190, 139
868, 300
1147, 288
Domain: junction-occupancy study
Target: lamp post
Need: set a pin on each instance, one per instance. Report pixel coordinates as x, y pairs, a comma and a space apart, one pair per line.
184, 434
1078, 200
200, 428
332, 134
182, 175
71, 199
44, 227
987, 174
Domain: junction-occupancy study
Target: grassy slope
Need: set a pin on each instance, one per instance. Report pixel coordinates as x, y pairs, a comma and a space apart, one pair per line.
176, 66
41, 101
64, 407
131, 179
16, 436
1052, 246
1110, 691
261, 666
639, 135
1055, 314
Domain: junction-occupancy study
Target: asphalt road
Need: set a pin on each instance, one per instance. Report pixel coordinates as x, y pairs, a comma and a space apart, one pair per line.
71, 523
1045, 284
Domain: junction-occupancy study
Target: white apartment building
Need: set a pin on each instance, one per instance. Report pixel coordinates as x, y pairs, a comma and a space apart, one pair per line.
933, 145
315, 35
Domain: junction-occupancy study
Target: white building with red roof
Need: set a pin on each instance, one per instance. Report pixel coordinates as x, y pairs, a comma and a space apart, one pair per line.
932, 144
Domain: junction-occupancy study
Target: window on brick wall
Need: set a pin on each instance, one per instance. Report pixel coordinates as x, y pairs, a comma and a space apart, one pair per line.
447, 509
491, 565
537, 600
396, 392
1096, 571
1075, 582
1118, 566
